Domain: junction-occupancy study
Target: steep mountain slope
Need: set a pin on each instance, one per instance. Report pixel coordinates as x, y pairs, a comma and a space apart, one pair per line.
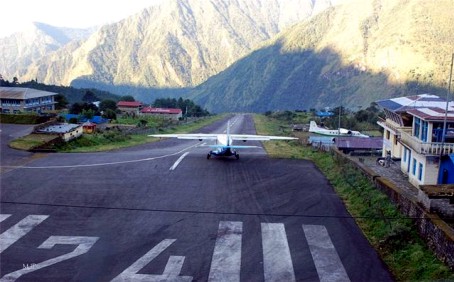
179, 43
351, 55
20, 50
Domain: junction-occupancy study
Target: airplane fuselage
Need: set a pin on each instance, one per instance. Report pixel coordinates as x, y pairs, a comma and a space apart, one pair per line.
224, 150
335, 132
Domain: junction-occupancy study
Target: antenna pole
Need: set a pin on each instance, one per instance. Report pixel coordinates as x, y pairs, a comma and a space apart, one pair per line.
446, 117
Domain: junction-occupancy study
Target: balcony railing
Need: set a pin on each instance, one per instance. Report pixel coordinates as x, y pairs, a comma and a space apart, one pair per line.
394, 128
425, 148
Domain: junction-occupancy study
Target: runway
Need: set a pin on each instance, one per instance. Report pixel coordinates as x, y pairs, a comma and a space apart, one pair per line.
163, 212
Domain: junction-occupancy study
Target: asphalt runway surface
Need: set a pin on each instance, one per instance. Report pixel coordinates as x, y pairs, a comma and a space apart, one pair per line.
163, 212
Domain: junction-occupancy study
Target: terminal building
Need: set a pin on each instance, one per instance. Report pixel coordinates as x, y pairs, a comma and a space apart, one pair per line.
413, 132
14, 100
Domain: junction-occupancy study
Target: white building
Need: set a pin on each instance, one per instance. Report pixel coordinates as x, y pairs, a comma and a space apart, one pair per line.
413, 132
66, 131
20, 99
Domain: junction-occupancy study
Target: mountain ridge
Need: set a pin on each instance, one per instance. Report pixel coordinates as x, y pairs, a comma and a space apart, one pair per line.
175, 44
350, 55
20, 50
263, 55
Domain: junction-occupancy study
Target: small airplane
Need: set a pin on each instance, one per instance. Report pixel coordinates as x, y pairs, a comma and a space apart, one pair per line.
342, 132
224, 142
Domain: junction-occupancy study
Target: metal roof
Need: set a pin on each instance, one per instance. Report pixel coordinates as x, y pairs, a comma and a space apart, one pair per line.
402, 104
432, 114
59, 128
359, 143
133, 104
21, 93
161, 110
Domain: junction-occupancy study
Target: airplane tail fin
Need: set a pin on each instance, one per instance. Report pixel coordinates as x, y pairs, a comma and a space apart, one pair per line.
228, 128
312, 126
228, 133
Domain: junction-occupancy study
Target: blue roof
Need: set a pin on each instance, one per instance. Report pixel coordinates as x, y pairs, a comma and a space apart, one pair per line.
389, 104
95, 119
324, 114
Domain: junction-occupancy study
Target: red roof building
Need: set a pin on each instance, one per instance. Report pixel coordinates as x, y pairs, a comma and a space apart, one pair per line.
129, 106
163, 112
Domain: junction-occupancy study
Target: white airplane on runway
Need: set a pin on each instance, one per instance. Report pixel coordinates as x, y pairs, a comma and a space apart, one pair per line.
224, 142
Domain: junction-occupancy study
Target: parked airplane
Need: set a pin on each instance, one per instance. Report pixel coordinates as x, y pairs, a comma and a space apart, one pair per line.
224, 142
342, 132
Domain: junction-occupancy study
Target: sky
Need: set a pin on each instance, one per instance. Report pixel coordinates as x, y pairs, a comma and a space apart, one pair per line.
67, 13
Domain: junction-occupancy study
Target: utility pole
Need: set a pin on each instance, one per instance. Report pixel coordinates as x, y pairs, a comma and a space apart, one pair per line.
446, 116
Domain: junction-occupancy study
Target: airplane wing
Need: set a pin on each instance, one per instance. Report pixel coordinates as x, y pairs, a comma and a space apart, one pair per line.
230, 146
203, 136
195, 136
246, 137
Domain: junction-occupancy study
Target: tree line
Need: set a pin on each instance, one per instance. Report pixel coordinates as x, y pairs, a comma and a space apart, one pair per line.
80, 101
188, 107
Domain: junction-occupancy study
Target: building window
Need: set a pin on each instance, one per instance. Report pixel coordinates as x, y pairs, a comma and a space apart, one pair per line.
414, 167
10, 103
425, 128
416, 127
405, 155
387, 134
420, 171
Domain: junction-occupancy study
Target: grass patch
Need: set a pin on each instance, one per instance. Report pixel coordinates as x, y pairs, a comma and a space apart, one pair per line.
23, 118
31, 141
388, 231
113, 140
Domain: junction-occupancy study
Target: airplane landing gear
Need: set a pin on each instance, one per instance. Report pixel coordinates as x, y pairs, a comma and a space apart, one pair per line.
237, 156
208, 156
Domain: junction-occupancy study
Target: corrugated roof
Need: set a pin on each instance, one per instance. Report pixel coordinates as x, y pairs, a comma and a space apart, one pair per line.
59, 128
21, 93
359, 143
150, 110
402, 104
432, 114
133, 104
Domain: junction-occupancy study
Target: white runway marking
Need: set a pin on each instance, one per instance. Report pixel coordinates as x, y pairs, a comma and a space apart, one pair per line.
102, 164
178, 161
19, 230
171, 271
83, 246
277, 262
226, 261
4, 216
326, 260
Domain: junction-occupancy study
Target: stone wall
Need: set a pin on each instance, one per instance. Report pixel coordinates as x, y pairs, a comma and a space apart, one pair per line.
437, 234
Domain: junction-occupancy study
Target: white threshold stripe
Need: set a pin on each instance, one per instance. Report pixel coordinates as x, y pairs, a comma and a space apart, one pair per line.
19, 230
4, 216
226, 261
178, 161
326, 259
277, 261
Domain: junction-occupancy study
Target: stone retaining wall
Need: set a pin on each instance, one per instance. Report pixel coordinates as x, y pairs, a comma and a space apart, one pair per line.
437, 234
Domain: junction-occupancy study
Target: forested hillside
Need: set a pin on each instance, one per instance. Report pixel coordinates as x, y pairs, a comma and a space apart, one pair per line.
349, 55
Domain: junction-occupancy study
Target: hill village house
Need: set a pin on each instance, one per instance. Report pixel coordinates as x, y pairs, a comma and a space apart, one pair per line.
413, 131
